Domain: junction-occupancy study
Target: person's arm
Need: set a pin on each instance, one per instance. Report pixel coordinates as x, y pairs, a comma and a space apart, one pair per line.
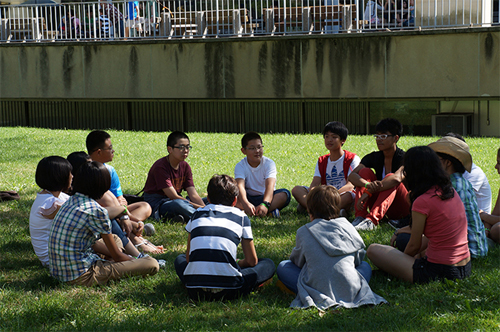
116, 254
250, 256
261, 210
196, 200
243, 202
297, 256
315, 182
494, 217
392, 180
417, 230
122, 200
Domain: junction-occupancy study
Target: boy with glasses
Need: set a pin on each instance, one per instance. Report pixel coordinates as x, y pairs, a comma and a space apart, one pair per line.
382, 191
332, 169
256, 178
168, 177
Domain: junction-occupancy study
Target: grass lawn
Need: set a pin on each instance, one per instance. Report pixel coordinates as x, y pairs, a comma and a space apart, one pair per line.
32, 300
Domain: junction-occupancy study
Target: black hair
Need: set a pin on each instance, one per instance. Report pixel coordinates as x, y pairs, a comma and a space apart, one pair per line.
336, 127
76, 159
423, 170
96, 140
222, 189
52, 173
251, 135
389, 125
92, 179
174, 137
457, 165
323, 202
460, 137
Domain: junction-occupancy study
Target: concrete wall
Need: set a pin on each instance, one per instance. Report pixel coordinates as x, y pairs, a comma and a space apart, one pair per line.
438, 64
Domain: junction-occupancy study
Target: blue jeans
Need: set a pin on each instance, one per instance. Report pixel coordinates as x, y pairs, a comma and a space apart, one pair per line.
117, 230
256, 200
164, 207
253, 277
288, 273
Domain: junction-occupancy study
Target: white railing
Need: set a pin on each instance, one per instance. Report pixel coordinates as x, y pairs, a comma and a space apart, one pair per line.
122, 20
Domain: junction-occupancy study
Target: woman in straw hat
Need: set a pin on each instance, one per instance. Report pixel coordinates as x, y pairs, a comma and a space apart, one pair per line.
438, 213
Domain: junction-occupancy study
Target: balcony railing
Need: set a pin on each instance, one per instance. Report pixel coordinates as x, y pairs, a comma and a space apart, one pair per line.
122, 20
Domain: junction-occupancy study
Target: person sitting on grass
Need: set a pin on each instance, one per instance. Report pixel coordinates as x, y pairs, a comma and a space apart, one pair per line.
72, 240
326, 267
256, 178
436, 212
456, 159
166, 180
332, 169
210, 269
53, 176
382, 192
100, 149
492, 221
79, 158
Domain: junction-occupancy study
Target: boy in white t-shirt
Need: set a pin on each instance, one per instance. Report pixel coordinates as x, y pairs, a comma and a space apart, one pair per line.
332, 169
256, 178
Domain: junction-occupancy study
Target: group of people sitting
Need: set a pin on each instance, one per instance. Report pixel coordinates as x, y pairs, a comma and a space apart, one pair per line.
87, 233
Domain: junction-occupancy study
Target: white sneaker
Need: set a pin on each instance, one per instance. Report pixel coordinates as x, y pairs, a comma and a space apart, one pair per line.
357, 220
365, 225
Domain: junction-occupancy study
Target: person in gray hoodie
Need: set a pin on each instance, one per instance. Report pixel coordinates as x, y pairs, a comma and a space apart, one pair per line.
326, 267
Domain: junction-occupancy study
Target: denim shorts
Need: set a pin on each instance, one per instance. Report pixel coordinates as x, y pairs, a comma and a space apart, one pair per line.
256, 200
425, 271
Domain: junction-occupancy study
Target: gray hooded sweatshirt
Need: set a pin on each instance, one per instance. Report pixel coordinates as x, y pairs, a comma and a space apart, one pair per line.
328, 252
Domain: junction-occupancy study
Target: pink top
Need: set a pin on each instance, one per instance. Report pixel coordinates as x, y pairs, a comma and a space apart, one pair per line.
445, 227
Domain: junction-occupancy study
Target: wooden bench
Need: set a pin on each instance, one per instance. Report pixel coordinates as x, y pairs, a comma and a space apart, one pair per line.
22, 29
309, 19
202, 23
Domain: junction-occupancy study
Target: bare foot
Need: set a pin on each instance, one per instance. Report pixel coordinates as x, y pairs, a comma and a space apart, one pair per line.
147, 247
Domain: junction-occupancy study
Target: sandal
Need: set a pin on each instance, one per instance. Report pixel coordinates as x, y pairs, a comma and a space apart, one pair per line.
149, 247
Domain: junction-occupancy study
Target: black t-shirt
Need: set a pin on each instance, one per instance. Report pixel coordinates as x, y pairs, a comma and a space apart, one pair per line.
375, 160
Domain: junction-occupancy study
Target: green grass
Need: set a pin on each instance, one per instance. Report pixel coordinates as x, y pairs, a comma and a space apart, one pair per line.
31, 300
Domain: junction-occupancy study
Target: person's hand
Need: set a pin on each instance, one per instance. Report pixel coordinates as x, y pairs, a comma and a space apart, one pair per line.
393, 239
139, 227
261, 210
250, 210
122, 200
362, 201
127, 226
374, 186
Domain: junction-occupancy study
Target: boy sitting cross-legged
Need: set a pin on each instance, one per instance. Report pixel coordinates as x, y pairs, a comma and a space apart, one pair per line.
210, 269
168, 177
332, 169
256, 178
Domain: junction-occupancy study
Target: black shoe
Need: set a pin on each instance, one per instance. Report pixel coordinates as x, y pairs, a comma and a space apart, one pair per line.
399, 223
178, 219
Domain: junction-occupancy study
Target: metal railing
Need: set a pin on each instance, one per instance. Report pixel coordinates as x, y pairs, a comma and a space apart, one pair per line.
120, 20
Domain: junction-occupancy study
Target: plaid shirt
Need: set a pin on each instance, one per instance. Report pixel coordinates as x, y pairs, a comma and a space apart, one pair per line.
478, 245
72, 235
112, 12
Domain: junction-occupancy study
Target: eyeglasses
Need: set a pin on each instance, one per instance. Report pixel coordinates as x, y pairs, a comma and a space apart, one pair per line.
382, 137
183, 147
256, 148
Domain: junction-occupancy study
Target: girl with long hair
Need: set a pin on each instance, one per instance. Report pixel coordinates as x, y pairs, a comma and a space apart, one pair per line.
438, 246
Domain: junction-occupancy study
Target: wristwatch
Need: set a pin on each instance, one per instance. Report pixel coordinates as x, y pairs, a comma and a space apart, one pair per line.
125, 217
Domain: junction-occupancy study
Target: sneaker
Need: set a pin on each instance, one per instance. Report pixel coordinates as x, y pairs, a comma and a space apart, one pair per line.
301, 209
357, 220
343, 213
142, 255
285, 289
365, 225
157, 215
399, 223
149, 229
161, 263
275, 213
178, 219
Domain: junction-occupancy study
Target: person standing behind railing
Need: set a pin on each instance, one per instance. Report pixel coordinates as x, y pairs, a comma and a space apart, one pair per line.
103, 24
132, 17
116, 18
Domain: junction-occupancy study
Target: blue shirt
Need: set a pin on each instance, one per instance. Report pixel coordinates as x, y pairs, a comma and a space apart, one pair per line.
478, 245
116, 187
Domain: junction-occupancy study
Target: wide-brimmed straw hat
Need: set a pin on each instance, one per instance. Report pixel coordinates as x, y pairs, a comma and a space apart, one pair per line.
454, 147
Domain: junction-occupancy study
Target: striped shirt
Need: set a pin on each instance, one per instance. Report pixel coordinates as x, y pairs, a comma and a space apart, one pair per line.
72, 235
478, 245
216, 231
